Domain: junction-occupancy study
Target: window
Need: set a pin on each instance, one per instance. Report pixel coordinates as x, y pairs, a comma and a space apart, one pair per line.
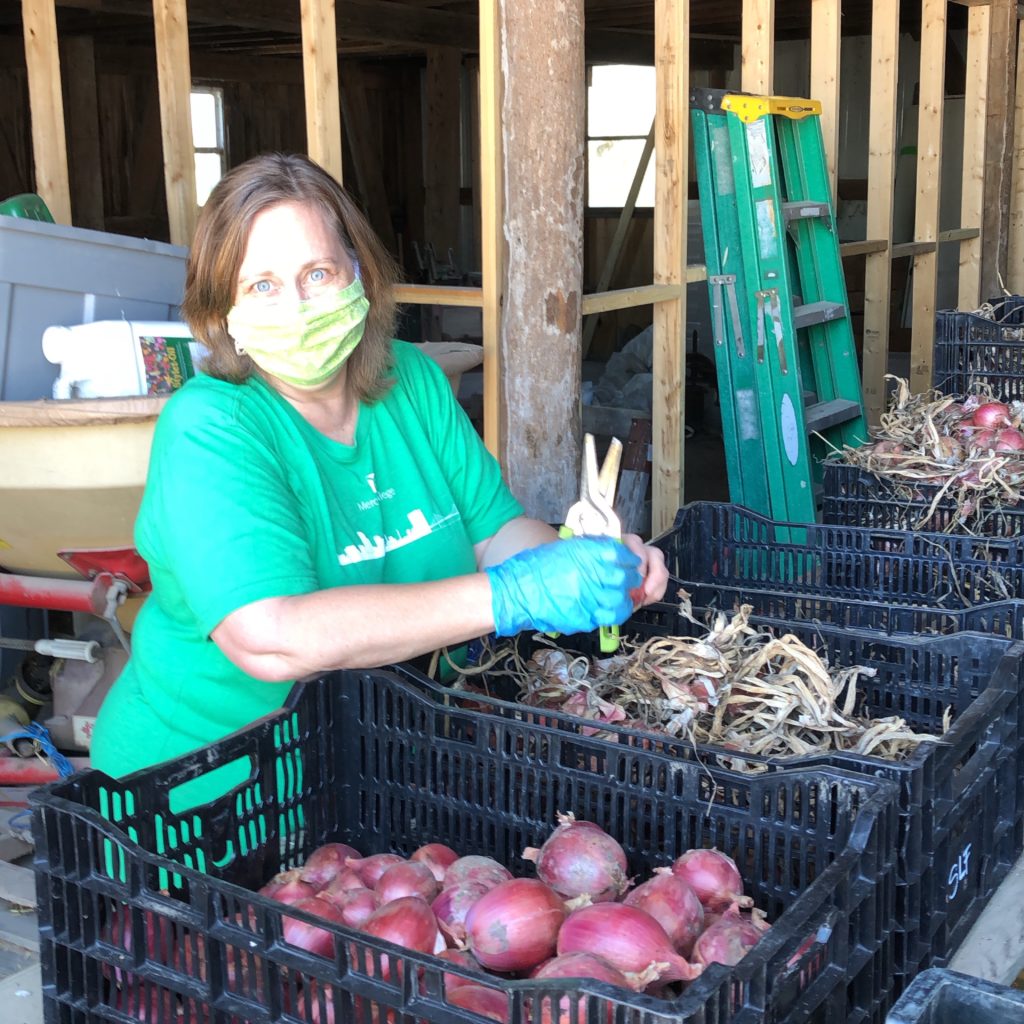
207, 139
620, 110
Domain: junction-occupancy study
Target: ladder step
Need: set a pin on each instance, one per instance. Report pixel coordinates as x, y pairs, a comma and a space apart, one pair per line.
817, 313
804, 211
823, 415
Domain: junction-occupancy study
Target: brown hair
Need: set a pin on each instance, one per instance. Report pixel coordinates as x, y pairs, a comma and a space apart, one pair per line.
219, 245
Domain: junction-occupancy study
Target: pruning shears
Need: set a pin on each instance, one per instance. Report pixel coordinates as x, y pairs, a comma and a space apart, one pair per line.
594, 514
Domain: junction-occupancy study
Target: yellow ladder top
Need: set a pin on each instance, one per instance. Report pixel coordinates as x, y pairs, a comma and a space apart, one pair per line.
751, 108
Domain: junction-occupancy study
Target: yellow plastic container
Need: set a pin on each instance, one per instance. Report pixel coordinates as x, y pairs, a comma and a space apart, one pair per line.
71, 477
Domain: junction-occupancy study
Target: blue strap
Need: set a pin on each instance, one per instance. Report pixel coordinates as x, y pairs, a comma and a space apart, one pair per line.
38, 733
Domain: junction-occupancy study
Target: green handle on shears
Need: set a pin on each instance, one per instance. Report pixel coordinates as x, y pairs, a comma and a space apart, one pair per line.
608, 636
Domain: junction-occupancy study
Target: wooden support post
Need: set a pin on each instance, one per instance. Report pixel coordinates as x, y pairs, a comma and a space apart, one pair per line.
972, 198
84, 131
49, 148
671, 195
999, 145
611, 260
1015, 257
825, 60
170, 25
885, 33
757, 58
492, 246
544, 126
441, 176
320, 77
929, 181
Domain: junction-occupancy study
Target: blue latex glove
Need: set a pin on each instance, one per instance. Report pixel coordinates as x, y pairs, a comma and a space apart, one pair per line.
567, 586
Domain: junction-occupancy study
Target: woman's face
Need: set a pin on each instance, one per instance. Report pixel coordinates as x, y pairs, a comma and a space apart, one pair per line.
293, 253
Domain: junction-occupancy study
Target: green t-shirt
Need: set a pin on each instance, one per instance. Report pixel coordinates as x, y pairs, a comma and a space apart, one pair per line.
245, 500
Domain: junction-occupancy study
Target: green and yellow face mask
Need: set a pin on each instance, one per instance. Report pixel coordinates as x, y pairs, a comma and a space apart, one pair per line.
302, 343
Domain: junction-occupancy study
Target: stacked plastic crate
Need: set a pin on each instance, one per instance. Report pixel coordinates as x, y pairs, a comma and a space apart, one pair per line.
970, 350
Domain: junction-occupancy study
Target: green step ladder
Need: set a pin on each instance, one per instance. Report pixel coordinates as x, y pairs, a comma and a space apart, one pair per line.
789, 384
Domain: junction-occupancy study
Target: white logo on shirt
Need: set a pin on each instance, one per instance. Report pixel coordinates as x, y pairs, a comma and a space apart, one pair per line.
371, 482
371, 548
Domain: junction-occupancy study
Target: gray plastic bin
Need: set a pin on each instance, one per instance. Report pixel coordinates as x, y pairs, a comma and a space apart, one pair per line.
946, 997
52, 274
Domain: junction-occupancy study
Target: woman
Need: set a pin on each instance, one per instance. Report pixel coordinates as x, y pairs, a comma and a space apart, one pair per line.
318, 499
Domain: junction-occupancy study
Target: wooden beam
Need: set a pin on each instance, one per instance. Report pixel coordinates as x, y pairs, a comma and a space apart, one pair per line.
630, 298
1015, 257
999, 145
671, 194
929, 184
972, 197
885, 33
543, 115
492, 250
441, 157
438, 295
49, 148
320, 78
79, 60
170, 25
611, 259
371, 20
825, 60
868, 246
757, 73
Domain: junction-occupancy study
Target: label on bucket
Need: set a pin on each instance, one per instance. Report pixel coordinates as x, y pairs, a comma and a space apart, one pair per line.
168, 363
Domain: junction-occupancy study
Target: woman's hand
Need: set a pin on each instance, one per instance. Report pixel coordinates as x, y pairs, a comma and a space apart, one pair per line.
652, 568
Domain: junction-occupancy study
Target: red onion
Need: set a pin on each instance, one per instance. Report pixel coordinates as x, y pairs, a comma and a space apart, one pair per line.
356, 905
1009, 440
580, 858
584, 965
463, 958
452, 905
288, 890
628, 938
482, 870
713, 876
514, 926
145, 1001
342, 882
327, 861
486, 1001
985, 439
369, 869
438, 857
728, 940
407, 879
674, 905
309, 937
991, 414
408, 922
316, 1003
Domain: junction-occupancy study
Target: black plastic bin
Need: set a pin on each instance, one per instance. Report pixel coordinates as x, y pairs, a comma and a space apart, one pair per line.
856, 497
729, 546
971, 349
947, 997
370, 759
960, 799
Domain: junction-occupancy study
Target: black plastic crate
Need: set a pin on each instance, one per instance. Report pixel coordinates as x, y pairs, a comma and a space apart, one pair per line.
947, 997
971, 349
997, 618
958, 831
729, 546
856, 497
370, 759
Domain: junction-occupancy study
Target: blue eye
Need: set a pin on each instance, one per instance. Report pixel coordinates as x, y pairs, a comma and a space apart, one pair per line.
318, 276
261, 287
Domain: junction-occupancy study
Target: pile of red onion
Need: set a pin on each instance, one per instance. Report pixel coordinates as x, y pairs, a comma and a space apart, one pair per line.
581, 917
